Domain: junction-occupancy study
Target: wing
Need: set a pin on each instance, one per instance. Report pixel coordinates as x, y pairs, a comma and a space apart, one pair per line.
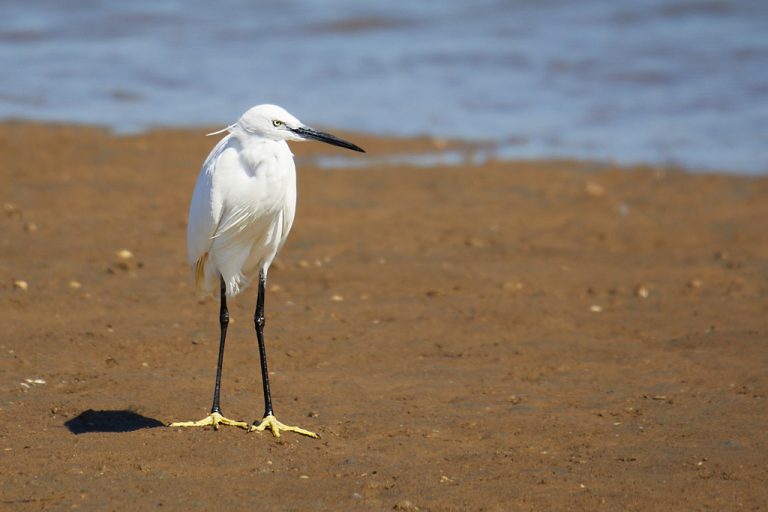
238, 217
205, 209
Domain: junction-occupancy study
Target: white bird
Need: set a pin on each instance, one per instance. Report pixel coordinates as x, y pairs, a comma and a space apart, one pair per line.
240, 215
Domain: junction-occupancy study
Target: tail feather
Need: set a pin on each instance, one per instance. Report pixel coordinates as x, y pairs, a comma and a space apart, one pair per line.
200, 270
235, 283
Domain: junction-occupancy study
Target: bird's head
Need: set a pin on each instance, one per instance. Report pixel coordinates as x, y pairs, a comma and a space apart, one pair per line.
275, 123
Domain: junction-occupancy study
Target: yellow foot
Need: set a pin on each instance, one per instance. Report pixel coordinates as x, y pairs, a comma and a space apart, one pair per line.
215, 419
271, 423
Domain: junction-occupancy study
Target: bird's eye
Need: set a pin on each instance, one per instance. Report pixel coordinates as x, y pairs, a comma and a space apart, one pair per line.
277, 123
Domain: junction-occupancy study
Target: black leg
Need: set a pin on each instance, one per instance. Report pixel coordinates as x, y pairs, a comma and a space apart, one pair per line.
258, 320
269, 421
224, 322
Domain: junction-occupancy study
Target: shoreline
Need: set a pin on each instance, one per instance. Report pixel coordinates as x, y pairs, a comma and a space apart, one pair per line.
416, 151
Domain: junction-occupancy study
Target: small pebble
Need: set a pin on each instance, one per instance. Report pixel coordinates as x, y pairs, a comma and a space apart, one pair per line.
594, 189
337, 298
474, 242
304, 477
642, 291
75, 285
405, 505
124, 254
20, 285
623, 209
12, 210
513, 286
595, 308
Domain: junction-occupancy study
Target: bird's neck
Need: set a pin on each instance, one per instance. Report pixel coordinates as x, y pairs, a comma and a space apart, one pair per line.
253, 142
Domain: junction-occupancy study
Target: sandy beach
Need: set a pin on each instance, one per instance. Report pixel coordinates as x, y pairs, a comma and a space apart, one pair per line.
552, 335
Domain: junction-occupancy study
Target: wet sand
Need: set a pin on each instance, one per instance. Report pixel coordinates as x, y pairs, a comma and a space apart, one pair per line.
509, 336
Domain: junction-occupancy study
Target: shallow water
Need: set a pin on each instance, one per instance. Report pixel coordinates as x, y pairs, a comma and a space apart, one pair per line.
660, 81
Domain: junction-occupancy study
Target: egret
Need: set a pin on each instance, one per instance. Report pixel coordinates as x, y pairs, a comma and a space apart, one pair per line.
241, 212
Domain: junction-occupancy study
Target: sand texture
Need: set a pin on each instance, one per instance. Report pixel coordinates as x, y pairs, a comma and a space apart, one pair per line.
505, 336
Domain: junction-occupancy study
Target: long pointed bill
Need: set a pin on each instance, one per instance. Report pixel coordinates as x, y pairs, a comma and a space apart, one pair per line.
308, 133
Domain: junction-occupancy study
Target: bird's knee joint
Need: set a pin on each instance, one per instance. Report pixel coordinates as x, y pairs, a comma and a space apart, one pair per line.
224, 318
259, 321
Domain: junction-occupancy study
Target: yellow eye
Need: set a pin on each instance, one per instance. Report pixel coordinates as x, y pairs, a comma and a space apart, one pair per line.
276, 123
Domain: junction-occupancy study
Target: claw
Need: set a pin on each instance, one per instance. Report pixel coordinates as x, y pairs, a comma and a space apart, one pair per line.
271, 423
214, 419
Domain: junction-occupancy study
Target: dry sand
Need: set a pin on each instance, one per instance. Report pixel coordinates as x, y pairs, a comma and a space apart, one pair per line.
511, 336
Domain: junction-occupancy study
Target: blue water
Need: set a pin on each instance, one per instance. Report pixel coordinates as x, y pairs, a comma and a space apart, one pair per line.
655, 81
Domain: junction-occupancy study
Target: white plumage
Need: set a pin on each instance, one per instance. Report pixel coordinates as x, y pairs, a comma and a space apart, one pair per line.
241, 212
242, 208
244, 201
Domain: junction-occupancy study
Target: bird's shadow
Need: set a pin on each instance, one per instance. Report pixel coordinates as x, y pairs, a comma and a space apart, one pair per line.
109, 421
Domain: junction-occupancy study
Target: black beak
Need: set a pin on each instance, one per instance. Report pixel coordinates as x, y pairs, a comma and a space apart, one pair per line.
308, 133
